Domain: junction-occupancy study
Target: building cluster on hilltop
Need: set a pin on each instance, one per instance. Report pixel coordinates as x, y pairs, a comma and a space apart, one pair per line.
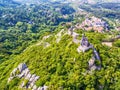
93, 23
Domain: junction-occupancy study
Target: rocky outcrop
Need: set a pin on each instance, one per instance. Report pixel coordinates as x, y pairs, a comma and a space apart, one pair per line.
59, 35
46, 37
75, 40
46, 44
91, 63
84, 44
43, 42
23, 72
109, 44
74, 35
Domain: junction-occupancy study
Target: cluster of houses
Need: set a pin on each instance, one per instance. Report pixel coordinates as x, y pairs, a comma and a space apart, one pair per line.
93, 24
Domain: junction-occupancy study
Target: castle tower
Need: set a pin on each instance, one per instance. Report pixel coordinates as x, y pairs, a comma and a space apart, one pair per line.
84, 44
84, 41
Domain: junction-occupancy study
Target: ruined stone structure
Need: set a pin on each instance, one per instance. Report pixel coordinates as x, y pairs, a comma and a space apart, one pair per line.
23, 72
84, 45
91, 62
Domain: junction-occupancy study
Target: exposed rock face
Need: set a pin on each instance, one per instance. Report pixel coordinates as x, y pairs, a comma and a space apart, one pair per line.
73, 34
75, 40
23, 72
43, 42
92, 65
43, 88
22, 67
46, 44
46, 37
59, 35
85, 45
109, 44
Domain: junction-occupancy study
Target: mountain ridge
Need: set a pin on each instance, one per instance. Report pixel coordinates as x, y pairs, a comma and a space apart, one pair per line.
53, 48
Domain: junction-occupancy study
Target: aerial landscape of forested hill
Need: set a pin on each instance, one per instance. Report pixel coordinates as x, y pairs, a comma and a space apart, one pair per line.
59, 45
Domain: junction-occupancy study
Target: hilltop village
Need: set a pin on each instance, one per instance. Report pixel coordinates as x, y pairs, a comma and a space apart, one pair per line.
93, 24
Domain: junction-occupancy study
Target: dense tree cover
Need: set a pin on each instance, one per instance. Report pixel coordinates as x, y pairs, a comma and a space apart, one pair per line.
109, 10
21, 25
61, 66
35, 15
14, 42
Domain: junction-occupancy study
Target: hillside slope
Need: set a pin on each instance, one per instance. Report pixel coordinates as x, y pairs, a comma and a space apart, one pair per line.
59, 65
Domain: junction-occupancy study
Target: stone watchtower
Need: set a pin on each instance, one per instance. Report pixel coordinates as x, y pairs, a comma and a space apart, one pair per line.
84, 44
84, 41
